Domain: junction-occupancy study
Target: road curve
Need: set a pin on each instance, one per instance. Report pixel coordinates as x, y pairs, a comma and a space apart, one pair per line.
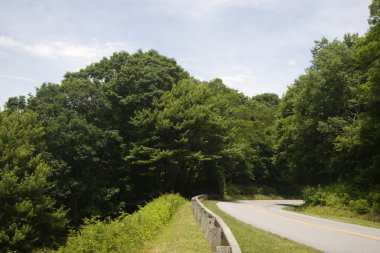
322, 234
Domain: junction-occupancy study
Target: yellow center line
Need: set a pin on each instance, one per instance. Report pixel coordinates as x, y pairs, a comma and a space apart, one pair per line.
314, 225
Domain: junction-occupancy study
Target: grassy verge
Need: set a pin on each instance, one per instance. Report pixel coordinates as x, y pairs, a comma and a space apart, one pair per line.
339, 214
182, 234
128, 232
252, 239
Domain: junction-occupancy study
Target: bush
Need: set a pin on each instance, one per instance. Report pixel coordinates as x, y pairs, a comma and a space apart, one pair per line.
374, 200
326, 196
128, 232
314, 196
342, 196
360, 206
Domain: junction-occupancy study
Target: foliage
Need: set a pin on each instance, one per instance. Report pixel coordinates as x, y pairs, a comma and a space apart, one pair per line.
342, 196
182, 140
87, 124
360, 206
315, 113
133, 126
368, 172
29, 217
328, 125
197, 136
127, 233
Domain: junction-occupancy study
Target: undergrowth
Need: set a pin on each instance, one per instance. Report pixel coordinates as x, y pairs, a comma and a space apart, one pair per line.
128, 232
350, 202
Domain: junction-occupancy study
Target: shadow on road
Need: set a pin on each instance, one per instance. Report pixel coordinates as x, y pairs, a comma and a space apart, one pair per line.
288, 205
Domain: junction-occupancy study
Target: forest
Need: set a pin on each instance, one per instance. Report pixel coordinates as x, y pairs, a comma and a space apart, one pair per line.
131, 127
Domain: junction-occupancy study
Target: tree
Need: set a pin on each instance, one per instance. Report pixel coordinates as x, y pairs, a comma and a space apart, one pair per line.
15, 104
86, 179
369, 130
199, 135
131, 82
29, 217
87, 121
316, 111
181, 142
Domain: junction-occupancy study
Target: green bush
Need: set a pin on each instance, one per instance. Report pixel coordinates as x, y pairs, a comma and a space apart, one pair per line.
343, 197
374, 200
360, 206
314, 196
128, 232
334, 195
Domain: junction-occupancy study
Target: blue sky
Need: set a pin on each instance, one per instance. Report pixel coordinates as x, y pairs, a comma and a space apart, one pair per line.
255, 46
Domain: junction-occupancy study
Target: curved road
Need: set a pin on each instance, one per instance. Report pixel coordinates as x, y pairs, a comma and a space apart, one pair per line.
322, 234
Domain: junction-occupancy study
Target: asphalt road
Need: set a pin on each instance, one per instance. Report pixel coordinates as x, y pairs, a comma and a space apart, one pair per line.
321, 234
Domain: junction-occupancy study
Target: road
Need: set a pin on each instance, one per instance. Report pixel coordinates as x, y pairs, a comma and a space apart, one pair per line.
322, 234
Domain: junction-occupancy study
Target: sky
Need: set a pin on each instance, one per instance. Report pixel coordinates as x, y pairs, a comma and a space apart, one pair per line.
254, 46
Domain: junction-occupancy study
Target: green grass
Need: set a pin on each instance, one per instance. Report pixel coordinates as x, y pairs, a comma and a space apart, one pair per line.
252, 239
339, 214
182, 234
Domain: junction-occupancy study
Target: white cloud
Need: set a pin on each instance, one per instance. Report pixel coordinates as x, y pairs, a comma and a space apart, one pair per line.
20, 78
63, 49
242, 81
238, 79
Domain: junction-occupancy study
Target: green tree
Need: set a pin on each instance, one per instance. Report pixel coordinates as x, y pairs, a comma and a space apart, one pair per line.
199, 135
369, 130
15, 104
87, 121
83, 149
316, 111
180, 143
29, 217
131, 82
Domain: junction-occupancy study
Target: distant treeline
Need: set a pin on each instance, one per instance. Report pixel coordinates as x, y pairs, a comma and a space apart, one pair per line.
131, 127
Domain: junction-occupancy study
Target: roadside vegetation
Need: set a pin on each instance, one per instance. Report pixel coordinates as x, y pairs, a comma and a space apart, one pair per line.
251, 239
339, 203
128, 232
181, 235
253, 192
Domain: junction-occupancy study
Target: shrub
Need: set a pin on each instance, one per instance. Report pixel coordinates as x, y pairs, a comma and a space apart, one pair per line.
128, 232
360, 206
374, 200
314, 196
342, 196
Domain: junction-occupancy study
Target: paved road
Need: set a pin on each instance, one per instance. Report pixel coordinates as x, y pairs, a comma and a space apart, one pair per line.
322, 234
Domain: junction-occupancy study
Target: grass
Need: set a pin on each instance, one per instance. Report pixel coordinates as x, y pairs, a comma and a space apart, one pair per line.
339, 214
252, 239
182, 234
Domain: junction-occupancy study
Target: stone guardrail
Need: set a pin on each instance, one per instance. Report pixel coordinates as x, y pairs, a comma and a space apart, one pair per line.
216, 231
